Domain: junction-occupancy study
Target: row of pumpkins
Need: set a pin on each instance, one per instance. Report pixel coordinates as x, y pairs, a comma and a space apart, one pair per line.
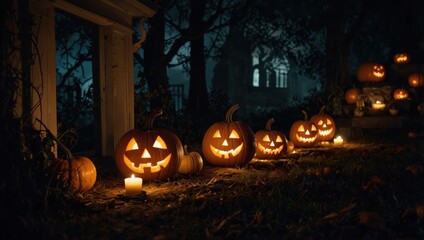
157, 154
375, 72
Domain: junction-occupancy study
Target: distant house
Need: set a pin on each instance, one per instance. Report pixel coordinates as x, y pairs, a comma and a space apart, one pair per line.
254, 79
114, 84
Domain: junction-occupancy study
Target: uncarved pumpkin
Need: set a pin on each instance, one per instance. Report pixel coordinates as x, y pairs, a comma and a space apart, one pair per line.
271, 144
290, 147
352, 95
152, 154
79, 172
229, 143
325, 125
191, 162
370, 72
304, 133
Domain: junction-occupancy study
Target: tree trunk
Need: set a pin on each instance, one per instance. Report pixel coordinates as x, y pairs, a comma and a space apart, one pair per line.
337, 71
155, 66
198, 94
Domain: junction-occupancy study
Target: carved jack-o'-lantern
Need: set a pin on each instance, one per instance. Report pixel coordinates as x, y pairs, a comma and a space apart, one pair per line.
400, 94
370, 72
271, 144
229, 143
304, 133
401, 58
325, 125
416, 80
152, 154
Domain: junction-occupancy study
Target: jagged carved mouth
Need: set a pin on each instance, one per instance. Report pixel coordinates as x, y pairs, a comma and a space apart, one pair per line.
325, 132
378, 74
141, 168
273, 151
226, 154
306, 139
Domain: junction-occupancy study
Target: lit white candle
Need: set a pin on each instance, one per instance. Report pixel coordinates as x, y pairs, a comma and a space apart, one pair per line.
338, 141
133, 185
378, 105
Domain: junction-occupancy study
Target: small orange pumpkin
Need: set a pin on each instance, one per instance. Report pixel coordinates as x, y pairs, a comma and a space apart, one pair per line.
229, 143
271, 144
352, 95
325, 124
370, 72
416, 80
400, 94
79, 172
191, 162
290, 147
304, 133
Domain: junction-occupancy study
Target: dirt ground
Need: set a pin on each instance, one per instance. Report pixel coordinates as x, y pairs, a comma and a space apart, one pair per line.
358, 191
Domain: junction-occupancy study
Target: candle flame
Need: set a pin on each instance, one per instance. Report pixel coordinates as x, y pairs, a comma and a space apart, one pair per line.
132, 176
378, 102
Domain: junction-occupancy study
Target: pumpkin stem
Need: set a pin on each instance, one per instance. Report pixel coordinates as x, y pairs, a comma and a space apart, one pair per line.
151, 119
185, 150
269, 123
306, 115
229, 115
62, 146
321, 111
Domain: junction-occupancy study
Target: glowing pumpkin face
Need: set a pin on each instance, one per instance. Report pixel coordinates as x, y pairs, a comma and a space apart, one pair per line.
229, 143
378, 71
152, 155
271, 144
400, 94
325, 125
304, 133
401, 58
370, 72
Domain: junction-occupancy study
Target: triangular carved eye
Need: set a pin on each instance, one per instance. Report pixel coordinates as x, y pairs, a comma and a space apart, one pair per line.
328, 122
217, 134
320, 122
132, 145
266, 138
279, 139
234, 134
301, 128
313, 128
159, 143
